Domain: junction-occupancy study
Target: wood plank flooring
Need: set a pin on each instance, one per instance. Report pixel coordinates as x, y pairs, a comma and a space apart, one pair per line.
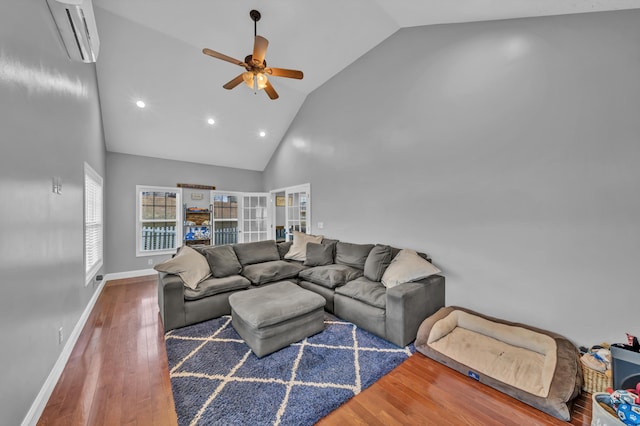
118, 375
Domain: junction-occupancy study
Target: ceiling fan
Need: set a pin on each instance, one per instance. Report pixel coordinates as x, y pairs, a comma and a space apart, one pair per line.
255, 65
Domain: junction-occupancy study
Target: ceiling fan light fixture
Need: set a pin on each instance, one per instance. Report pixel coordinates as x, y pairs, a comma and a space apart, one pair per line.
247, 77
261, 80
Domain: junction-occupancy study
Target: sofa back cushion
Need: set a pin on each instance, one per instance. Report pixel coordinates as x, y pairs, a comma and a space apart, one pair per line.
222, 260
354, 255
319, 254
256, 252
377, 262
329, 241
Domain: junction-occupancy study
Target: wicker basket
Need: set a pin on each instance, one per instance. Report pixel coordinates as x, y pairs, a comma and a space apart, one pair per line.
595, 381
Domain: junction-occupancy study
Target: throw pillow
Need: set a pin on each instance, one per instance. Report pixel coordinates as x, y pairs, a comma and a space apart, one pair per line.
188, 264
222, 260
377, 262
319, 254
353, 255
407, 266
298, 250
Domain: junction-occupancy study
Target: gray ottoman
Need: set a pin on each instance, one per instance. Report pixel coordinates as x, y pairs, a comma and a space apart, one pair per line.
272, 317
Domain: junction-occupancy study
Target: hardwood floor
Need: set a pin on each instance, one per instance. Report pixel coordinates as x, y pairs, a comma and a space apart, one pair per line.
118, 375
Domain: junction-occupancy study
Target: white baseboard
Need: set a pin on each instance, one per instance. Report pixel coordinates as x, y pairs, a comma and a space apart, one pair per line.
129, 274
34, 413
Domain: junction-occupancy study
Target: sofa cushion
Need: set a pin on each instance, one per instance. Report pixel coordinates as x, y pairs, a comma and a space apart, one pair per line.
283, 248
319, 254
353, 255
407, 266
222, 260
266, 272
366, 291
298, 250
212, 286
256, 252
188, 264
377, 262
329, 241
330, 276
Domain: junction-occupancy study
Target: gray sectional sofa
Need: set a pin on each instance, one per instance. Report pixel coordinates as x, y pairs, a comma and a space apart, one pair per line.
347, 275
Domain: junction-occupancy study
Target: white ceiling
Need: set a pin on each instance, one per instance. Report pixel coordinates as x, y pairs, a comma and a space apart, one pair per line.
152, 50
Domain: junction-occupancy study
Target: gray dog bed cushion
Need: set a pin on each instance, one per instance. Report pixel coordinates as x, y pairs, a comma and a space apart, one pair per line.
535, 366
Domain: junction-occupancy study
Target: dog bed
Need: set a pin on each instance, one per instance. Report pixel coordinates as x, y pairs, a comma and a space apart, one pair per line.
535, 366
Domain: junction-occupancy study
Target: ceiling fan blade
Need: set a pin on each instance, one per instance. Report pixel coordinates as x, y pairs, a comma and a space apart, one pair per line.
219, 55
233, 83
271, 91
281, 72
260, 49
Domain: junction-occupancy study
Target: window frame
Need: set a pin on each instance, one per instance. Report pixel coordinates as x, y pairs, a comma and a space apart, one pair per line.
140, 221
97, 221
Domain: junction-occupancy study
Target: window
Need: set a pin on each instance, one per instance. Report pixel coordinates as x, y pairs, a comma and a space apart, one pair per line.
159, 220
93, 240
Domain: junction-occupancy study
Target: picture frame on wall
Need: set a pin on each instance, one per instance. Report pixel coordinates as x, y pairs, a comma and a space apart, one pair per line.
280, 201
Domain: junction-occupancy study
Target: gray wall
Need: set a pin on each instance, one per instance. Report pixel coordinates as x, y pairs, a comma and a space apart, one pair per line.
508, 150
126, 171
49, 126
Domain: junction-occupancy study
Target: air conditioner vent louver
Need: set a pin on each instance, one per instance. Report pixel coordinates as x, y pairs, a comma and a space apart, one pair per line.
77, 27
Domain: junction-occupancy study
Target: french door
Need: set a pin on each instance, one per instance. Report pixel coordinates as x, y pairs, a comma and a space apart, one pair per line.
298, 211
255, 217
240, 217
226, 217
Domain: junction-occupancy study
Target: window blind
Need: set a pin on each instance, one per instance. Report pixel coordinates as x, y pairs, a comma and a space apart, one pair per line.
93, 236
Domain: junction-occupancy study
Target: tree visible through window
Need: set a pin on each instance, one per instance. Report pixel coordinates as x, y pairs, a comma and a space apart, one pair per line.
159, 224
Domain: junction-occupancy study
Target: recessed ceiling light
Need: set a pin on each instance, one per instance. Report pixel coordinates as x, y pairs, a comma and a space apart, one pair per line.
211, 121
262, 133
141, 104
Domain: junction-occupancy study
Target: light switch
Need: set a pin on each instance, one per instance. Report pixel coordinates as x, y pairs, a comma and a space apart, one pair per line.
320, 225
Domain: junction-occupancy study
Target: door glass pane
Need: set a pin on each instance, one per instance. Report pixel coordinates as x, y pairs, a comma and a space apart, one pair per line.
225, 217
297, 216
255, 217
225, 232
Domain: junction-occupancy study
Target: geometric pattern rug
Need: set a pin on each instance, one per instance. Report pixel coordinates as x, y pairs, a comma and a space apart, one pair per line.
217, 380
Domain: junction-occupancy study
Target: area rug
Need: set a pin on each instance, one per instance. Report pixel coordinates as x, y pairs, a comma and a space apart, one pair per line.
217, 380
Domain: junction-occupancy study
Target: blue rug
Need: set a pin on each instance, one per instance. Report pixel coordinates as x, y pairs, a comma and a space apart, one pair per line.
217, 380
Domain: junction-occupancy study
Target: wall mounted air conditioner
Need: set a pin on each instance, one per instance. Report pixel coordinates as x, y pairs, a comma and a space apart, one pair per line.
77, 27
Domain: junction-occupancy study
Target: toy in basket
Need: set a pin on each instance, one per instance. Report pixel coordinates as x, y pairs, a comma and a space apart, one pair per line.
619, 407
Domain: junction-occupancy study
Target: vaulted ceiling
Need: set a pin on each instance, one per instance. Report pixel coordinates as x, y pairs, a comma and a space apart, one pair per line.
151, 50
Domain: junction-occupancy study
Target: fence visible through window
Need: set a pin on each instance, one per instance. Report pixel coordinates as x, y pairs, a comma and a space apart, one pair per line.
158, 236
225, 232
